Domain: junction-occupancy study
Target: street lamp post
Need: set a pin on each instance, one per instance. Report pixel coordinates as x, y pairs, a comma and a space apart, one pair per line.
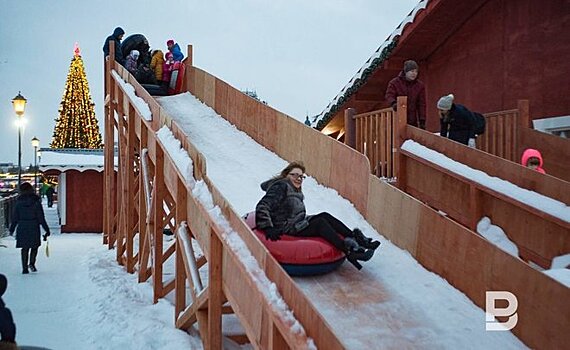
19, 104
35, 144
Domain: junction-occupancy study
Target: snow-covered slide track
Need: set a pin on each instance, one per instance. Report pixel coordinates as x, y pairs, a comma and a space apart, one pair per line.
393, 302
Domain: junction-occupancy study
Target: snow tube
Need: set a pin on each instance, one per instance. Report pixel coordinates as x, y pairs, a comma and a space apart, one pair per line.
176, 78
136, 42
300, 256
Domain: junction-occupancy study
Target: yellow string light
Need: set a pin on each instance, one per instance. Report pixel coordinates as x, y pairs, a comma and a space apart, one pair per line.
76, 126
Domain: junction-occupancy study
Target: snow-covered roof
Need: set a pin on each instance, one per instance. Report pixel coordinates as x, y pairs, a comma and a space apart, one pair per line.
379, 56
71, 159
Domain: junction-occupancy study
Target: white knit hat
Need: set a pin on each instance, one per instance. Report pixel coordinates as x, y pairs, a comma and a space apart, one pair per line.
445, 102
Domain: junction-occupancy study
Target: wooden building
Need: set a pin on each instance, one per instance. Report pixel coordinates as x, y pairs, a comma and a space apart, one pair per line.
488, 53
79, 187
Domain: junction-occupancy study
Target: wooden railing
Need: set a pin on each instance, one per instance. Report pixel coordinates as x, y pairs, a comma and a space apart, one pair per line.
375, 137
501, 135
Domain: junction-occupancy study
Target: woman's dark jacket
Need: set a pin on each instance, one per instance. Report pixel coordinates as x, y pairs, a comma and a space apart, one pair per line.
7, 326
27, 217
282, 206
115, 37
458, 125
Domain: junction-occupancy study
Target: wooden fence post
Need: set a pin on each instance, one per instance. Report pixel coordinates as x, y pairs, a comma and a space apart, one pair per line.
350, 128
401, 122
158, 212
215, 292
524, 123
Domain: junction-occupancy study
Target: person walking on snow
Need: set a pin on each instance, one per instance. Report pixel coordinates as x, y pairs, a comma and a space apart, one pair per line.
27, 217
532, 159
282, 211
408, 84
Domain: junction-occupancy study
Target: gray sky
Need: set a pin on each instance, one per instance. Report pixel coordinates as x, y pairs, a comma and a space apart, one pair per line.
296, 54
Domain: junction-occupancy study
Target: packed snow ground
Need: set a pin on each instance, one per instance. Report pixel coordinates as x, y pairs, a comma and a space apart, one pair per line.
393, 300
80, 298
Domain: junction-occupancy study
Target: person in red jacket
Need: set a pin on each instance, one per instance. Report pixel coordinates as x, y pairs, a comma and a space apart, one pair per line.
407, 84
532, 159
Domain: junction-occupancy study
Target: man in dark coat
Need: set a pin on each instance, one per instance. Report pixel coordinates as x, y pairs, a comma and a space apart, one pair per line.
7, 326
456, 121
27, 216
407, 84
117, 36
49, 194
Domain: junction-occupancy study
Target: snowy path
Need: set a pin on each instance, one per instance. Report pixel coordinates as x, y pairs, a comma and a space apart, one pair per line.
80, 298
393, 302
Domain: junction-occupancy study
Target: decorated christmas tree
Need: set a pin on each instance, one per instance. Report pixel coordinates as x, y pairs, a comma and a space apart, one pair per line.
76, 126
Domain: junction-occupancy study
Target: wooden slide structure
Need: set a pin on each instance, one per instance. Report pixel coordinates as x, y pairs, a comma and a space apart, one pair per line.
147, 193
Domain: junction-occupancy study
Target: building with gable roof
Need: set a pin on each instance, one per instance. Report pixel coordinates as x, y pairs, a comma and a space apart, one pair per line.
488, 53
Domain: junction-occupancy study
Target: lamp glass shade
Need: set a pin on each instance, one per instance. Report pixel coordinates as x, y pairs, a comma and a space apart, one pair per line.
35, 142
19, 103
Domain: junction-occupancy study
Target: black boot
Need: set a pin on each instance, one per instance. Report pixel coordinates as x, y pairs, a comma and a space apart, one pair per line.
355, 253
364, 241
33, 268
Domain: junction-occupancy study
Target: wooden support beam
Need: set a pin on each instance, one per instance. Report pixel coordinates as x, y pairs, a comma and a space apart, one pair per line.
158, 200
215, 299
401, 116
130, 219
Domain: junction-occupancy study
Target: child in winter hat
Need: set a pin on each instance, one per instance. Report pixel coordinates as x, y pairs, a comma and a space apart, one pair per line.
445, 102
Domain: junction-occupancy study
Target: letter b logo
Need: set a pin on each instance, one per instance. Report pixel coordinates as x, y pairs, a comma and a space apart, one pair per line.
492, 312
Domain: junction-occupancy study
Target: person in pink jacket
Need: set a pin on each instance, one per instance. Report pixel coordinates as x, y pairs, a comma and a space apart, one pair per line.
167, 69
532, 159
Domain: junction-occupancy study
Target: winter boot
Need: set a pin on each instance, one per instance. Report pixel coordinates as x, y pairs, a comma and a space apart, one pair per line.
364, 241
33, 268
25, 271
356, 253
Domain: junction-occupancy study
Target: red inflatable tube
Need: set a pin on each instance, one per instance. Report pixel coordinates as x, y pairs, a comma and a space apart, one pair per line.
300, 255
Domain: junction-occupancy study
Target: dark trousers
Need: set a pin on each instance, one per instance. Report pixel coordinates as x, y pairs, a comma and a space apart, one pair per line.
328, 227
32, 253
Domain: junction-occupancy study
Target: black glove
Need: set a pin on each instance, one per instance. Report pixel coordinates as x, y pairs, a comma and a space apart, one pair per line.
422, 124
46, 236
272, 234
395, 106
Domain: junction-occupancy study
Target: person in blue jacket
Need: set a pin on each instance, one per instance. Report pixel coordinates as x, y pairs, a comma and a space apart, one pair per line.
175, 49
27, 217
117, 36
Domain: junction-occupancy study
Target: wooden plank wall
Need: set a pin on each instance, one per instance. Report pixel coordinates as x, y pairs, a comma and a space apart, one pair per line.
472, 264
540, 237
495, 166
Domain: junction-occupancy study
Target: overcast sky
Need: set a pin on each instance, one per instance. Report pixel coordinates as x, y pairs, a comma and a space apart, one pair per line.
296, 54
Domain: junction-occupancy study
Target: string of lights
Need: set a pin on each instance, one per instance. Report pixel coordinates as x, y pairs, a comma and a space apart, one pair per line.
76, 126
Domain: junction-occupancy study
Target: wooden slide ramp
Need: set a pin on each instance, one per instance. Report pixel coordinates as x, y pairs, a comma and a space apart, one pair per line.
392, 302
